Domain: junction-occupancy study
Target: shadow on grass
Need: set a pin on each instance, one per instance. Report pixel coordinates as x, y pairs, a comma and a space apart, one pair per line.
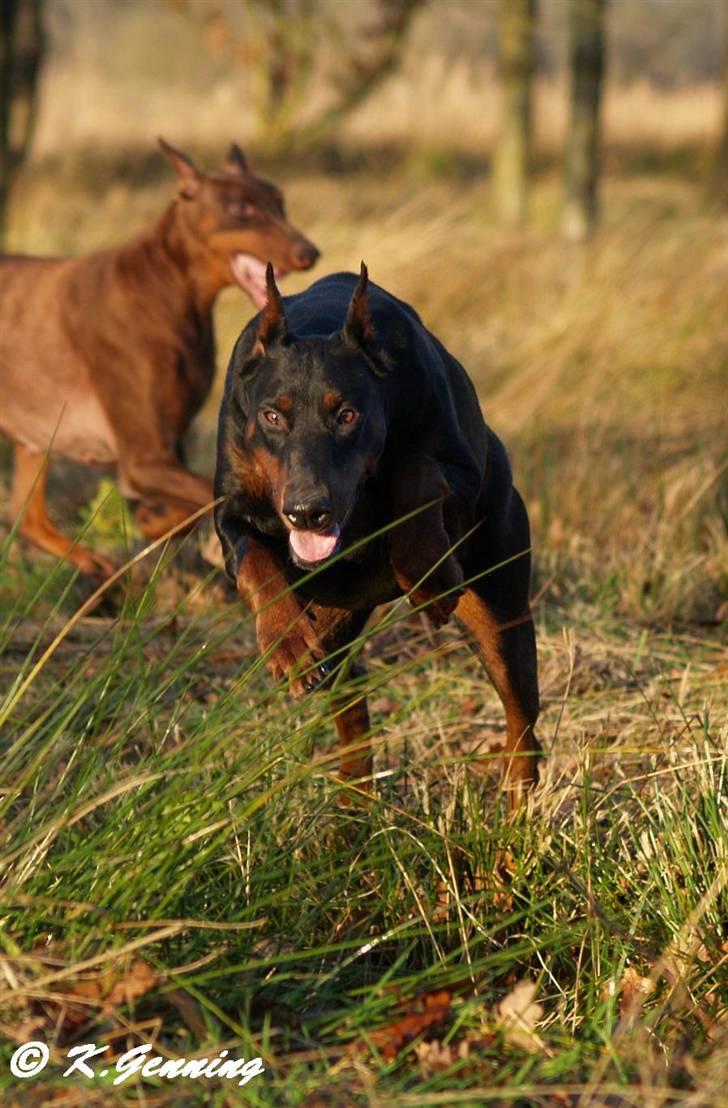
143, 166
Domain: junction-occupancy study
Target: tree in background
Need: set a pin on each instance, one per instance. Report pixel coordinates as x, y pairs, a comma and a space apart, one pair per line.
282, 61
516, 19
21, 54
586, 66
374, 54
720, 165
285, 44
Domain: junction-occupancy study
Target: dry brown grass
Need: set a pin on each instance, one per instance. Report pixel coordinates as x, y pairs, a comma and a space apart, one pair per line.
605, 366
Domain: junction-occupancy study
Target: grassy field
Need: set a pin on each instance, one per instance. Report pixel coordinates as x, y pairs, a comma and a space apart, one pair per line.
179, 865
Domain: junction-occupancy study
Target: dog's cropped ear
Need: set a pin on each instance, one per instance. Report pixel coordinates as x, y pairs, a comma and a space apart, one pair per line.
188, 176
236, 163
272, 324
358, 329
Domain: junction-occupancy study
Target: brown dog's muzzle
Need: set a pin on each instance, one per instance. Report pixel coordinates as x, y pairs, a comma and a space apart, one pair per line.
304, 254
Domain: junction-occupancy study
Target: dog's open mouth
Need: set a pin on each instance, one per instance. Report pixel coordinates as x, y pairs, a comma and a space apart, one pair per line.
311, 548
249, 272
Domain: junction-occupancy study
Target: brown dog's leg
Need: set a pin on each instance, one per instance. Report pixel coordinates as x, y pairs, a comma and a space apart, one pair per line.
155, 520
507, 649
28, 501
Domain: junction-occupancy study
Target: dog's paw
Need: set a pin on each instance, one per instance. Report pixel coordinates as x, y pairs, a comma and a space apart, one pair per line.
286, 634
91, 564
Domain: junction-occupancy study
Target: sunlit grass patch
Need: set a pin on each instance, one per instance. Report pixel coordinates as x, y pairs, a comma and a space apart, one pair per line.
158, 791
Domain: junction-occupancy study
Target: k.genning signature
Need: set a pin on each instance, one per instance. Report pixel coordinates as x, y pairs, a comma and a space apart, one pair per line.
29, 1061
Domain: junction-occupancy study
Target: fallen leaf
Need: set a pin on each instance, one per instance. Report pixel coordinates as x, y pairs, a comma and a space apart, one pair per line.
121, 982
390, 1040
434, 1056
190, 1012
138, 980
633, 990
517, 1015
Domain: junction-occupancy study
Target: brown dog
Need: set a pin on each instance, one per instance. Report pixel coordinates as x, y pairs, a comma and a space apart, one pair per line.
106, 359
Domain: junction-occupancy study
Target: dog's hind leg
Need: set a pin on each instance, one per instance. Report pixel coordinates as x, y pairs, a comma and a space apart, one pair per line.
28, 502
508, 653
495, 611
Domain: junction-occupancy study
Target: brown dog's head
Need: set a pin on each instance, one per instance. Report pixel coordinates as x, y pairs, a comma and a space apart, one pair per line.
240, 222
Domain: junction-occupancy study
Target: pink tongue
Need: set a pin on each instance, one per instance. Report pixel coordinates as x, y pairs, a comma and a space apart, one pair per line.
312, 547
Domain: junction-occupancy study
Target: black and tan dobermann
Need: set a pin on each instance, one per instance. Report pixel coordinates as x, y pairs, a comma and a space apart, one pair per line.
106, 359
342, 414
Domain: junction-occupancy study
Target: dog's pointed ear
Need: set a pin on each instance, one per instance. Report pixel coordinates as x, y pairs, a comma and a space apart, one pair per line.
359, 330
272, 323
188, 175
236, 163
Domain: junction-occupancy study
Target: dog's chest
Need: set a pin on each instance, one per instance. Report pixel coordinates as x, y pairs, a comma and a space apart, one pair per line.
183, 389
356, 583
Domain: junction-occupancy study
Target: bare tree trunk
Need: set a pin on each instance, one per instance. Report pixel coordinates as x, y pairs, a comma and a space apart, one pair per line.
586, 63
380, 48
287, 37
21, 52
516, 20
720, 164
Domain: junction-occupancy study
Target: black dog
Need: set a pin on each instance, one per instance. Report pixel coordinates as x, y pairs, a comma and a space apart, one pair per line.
342, 414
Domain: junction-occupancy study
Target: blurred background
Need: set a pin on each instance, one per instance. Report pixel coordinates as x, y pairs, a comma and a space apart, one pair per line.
547, 182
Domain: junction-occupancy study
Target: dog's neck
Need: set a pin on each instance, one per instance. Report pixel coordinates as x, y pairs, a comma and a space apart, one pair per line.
184, 257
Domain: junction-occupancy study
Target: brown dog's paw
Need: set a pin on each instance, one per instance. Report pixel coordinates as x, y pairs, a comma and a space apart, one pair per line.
91, 564
296, 655
155, 520
438, 593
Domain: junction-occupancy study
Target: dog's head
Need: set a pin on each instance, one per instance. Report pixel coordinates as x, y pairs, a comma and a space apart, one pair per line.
240, 222
315, 419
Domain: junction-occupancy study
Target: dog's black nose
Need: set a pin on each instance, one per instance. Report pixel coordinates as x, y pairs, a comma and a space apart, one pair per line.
304, 254
313, 516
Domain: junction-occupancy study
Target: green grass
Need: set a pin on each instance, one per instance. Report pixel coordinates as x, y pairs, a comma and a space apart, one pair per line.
158, 793
160, 800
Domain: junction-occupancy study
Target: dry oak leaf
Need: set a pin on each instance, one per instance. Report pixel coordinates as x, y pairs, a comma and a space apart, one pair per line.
391, 1039
633, 990
435, 1056
118, 984
517, 1015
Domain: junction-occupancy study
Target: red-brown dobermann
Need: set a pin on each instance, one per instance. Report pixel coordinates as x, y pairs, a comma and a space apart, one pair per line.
107, 358
341, 415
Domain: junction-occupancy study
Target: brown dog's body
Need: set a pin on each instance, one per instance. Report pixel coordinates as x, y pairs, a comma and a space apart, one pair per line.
106, 359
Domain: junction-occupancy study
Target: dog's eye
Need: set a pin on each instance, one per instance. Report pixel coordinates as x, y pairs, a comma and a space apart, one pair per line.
241, 211
347, 417
270, 415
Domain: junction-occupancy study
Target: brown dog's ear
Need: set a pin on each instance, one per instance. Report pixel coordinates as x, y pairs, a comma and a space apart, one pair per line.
358, 329
236, 162
272, 324
188, 176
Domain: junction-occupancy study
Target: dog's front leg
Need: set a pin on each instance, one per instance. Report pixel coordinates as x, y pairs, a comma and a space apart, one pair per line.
284, 630
420, 553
